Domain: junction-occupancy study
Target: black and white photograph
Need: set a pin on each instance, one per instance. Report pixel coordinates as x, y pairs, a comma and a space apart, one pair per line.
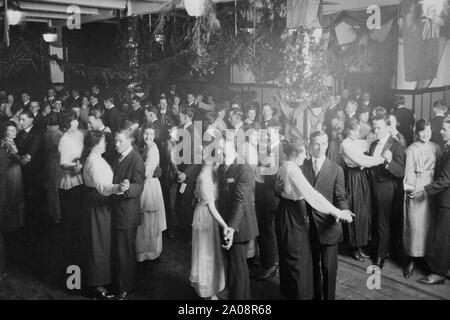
240, 152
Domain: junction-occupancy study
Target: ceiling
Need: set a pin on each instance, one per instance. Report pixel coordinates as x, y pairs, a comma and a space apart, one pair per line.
54, 12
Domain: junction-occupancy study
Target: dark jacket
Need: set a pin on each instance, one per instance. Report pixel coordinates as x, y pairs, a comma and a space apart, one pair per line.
331, 184
190, 168
235, 192
30, 143
396, 169
112, 119
126, 208
440, 187
3, 179
436, 127
406, 122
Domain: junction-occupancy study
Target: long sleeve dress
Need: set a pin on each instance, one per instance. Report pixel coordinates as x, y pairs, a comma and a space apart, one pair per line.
294, 248
96, 230
357, 187
53, 172
207, 263
419, 172
15, 201
149, 233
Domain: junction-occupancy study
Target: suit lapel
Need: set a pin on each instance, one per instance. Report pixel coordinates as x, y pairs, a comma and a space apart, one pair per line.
388, 144
322, 173
308, 171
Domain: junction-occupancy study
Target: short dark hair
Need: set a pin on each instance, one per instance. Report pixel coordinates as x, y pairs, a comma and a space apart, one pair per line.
399, 100
421, 125
351, 124
53, 119
316, 134
16, 107
211, 117
152, 109
440, 105
109, 99
28, 113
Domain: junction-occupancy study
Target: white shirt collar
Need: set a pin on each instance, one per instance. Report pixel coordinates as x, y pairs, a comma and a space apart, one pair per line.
384, 140
127, 152
440, 115
366, 103
238, 126
400, 107
110, 107
320, 161
27, 130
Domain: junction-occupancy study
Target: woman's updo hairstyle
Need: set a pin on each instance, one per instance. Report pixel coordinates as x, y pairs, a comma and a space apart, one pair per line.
351, 124
294, 147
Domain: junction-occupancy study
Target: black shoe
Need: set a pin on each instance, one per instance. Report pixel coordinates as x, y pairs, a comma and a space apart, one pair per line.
357, 256
124, 295
104, 295
267, 273
409, 270
432, 279
380, 263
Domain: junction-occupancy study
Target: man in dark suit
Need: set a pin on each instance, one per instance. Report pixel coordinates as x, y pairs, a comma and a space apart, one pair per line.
137, 112
76, 101
366, 101
28, 142
129, 172
440, 112
406, 120
236, 183
39, 119
328, 179
3, 179
95, 104
438, 254
112, 115
25, 101
188, 171
385, 186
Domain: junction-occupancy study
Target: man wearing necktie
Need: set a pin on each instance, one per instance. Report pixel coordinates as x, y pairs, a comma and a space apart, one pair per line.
386, 189
129, 173
438, 255
325, 233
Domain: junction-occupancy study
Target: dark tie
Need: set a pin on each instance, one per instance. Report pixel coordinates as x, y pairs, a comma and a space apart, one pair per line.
163, 119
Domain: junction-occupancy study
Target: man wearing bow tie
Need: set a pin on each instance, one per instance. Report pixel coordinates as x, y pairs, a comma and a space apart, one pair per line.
438, 255
386, 188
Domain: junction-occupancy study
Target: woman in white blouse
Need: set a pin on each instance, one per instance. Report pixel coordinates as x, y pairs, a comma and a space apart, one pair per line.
295, 260
71, 186
357, 188
98, 177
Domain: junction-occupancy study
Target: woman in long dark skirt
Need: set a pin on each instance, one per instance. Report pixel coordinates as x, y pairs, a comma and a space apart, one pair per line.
357, 234
98, 177
291, 225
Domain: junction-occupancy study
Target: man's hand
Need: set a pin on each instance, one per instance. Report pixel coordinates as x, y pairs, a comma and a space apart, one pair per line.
228, 237
124, 186
387, 155
414, 194
181, 178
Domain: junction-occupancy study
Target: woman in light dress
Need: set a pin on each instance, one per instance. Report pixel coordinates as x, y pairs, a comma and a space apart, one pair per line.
149, 234
96, 230
421, 159
207, 263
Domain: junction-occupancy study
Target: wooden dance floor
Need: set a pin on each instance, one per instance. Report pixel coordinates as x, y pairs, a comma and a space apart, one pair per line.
34, 274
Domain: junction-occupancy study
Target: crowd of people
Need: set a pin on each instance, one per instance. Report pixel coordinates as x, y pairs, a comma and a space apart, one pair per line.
110, 174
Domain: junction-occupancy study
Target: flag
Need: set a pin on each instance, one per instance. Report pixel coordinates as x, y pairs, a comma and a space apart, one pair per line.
422, 45
15, 60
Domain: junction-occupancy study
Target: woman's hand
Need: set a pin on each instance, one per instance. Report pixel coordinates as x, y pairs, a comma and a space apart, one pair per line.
344, 215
